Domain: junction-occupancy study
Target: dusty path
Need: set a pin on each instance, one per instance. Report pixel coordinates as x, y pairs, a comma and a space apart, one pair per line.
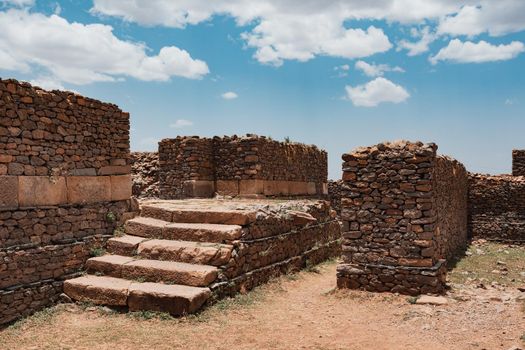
301, 312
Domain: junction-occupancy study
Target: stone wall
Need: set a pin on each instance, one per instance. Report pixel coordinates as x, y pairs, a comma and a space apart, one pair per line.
518, 162
334, 194
145, 174
232, 166
397, 229
65, 179
497, 207
282, 240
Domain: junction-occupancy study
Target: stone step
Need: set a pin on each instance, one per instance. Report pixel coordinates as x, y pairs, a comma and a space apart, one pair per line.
153, 228
214, 254
153, 270
199, 215
174, 299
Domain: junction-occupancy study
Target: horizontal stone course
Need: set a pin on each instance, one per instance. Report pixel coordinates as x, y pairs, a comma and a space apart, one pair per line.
497, 207
239, 166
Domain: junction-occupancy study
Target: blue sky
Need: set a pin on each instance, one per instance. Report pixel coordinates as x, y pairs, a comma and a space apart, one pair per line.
291, 68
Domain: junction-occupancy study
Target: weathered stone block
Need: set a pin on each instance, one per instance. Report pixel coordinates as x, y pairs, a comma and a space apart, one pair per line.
251, 187
88, 189
120, 187
298, 188
227, 187
115, 170
41, 191
198, 188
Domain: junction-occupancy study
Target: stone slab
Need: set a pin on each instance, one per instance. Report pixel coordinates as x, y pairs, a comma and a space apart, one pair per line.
175, 299
215, 233
311, 188
186, 251
88, 189
109, 265
227, 187
251, 187
98, 289
9, 192
125, 245
41, 191
170, 272
298, 188
120, 187
145, 227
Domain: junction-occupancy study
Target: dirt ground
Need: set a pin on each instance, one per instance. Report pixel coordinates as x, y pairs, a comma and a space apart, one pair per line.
484, 310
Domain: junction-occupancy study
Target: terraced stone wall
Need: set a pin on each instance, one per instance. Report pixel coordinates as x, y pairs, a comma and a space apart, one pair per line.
232, 166
404, 212
145, 174
497, 207
65, 180
518, 162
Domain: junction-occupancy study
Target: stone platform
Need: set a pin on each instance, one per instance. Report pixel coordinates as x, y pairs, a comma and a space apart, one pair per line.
179, 254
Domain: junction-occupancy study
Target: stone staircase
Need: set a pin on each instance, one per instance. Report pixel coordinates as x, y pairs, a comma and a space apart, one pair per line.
166, 261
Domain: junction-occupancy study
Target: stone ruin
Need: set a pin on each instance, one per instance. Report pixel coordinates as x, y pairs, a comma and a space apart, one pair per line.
65, 185
497, 203
66, 207
195, 167
404, 212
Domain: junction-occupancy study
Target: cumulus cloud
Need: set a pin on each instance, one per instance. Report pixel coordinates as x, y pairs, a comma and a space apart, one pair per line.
19, 3
230, 95
81, 54
494, 17
375, 70
467, 52
375, 92
181, 123
288, 30
426, 37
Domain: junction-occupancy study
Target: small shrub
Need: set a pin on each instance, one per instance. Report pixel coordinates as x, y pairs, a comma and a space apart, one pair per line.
111, 217
94, 252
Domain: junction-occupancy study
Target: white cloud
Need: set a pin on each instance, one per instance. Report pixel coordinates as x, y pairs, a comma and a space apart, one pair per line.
418, 47
376, 70
466, 52
230, 95
375, 92
344, 67
181, 123
19, 3
288, 30
498, 18
81, 54
47, 83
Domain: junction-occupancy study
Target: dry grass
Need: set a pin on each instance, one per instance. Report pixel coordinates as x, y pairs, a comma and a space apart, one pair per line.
488, 262
299, 311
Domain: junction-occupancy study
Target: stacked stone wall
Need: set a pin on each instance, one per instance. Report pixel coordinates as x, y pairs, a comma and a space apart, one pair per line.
145, 174
186, 167
232, 166
497, 207
65, 179
334, 194
394, 236
518, 162
282, 240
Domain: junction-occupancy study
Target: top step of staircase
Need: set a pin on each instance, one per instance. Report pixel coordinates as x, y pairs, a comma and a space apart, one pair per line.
169, 211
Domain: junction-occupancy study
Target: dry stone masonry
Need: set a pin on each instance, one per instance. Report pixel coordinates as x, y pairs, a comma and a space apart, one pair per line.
187, 253
497, 207
518, 162
404, 212
145, 174
232, 166
65, 183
